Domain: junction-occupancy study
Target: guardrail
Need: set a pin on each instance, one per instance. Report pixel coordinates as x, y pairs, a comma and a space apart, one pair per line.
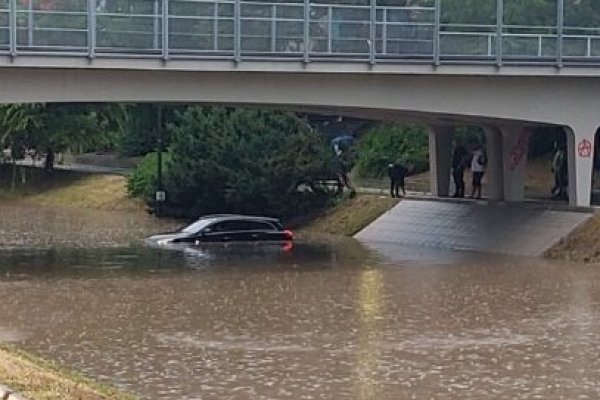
273, 30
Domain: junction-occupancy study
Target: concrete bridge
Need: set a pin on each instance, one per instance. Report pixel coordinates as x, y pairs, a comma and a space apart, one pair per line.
372, 58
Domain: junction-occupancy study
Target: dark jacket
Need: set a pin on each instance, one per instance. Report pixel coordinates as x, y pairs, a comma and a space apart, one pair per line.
397, 172
460, 158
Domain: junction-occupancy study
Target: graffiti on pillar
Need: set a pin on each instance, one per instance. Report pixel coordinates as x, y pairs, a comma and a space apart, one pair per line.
584, 148
519, 150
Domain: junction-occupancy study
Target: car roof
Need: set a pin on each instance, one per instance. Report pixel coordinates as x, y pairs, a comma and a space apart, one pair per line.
228, 217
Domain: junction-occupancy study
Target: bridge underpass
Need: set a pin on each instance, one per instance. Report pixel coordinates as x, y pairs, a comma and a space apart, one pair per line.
375, 59
507, 107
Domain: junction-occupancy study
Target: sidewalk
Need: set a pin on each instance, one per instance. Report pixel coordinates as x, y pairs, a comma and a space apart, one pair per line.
85, 168
473, 226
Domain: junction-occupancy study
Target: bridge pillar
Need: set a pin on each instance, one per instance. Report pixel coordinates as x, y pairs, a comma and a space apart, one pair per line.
440, 159
495, 168
515, 145
580, 151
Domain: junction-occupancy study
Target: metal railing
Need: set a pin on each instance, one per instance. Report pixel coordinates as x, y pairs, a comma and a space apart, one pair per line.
273, 30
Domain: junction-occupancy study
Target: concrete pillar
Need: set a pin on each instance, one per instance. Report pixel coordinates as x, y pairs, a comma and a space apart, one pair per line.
440, 159
515, 145
495, 169
580, 150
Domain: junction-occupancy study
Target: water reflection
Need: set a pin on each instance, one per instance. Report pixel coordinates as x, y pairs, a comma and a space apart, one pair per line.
370, 312
27, 227
326, 321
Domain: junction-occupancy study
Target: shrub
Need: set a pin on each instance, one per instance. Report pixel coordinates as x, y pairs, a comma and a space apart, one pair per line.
245, 161
143, 181
388, 143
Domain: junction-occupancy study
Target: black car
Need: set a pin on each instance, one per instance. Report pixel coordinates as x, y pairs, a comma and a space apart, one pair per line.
224, 228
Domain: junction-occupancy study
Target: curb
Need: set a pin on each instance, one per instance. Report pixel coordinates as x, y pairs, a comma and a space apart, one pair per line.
8, 394
547, 205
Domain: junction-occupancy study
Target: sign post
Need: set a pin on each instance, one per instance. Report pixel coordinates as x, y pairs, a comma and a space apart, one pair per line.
160, 196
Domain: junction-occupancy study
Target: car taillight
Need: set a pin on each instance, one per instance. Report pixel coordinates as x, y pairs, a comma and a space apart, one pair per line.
288, 247
288, 235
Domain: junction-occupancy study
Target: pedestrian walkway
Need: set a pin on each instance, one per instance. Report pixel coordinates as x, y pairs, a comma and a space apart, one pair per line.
85, 168
470, 226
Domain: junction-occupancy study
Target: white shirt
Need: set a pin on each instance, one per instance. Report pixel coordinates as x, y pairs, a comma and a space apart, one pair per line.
475, 165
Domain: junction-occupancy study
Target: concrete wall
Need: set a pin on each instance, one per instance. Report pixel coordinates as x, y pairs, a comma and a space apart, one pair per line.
441, 97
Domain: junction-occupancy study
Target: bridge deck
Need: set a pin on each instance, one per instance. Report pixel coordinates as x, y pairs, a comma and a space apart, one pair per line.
375, 31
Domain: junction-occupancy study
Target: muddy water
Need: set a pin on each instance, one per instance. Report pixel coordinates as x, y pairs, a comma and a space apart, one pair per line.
326, 321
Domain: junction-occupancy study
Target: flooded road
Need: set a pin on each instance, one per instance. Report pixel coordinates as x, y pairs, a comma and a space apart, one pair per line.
325, 321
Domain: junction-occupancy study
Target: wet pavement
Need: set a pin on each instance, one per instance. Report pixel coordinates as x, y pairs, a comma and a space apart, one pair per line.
329, 320
466, 225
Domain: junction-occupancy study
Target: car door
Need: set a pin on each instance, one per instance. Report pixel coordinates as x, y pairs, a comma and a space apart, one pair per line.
256, 231
244, 231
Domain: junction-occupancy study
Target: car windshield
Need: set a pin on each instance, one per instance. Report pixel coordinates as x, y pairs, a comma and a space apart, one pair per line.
198, 225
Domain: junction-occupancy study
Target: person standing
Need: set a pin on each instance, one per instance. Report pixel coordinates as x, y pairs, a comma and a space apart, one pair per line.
478, 163
397, 172
344, 160
554, 168
561, 173
459, 164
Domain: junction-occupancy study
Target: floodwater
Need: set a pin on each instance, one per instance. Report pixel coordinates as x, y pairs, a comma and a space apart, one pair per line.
328, 320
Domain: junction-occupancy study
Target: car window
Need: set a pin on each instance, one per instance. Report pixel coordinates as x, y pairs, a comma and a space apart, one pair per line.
197, 226
221, 227
239, 225
254, 226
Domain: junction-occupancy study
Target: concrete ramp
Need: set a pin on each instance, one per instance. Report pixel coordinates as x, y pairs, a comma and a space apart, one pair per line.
516, 230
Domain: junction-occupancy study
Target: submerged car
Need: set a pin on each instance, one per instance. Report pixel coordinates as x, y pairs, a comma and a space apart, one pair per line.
223, 228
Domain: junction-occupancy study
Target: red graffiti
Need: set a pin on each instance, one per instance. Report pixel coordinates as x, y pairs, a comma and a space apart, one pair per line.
584, 149
519, 150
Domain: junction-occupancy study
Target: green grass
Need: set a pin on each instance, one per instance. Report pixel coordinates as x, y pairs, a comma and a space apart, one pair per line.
350, 216
66, 188
37, 379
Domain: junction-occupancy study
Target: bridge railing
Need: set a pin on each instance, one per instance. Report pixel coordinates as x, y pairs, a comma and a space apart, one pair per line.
284, 30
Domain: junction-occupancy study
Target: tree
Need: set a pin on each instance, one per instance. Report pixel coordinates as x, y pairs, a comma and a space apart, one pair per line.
52, 128
138, 128
16, 122
245, 161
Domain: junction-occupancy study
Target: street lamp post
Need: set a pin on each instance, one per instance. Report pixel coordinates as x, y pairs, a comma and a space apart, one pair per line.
160, 195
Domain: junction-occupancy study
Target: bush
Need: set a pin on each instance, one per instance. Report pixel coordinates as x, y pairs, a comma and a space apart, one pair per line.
138, 136
245, 161
388, 143
143, 181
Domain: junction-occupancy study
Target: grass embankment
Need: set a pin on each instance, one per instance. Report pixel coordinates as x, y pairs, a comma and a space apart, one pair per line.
67, 188
37, 379
582, 245
351, 215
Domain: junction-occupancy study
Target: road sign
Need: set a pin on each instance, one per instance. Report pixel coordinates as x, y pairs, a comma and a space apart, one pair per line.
585, 149
161, 195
